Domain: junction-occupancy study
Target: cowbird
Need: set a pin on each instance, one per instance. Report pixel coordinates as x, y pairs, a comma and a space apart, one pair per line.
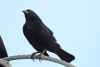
41, 37
3, 52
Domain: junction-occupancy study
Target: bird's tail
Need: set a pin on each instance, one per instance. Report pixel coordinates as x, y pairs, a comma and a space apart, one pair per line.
64, 55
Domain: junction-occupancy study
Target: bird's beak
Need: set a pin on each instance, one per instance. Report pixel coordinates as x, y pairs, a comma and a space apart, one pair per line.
24, 11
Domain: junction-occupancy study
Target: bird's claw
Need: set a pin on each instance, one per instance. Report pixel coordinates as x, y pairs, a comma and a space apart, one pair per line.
33, 56
39, 57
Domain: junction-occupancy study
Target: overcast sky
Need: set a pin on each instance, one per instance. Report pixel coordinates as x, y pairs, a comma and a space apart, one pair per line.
75, 23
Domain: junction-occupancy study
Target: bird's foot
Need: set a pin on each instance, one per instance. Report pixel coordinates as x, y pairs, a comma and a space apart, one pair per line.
39, 57
33, 56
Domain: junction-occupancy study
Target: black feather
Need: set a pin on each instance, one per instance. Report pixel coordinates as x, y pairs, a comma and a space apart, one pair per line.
41, 37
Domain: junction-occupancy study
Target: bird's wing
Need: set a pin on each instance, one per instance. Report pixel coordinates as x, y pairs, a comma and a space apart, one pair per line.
46, 29
46, 36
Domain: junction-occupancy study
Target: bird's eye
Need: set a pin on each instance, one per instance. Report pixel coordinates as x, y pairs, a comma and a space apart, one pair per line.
30, 11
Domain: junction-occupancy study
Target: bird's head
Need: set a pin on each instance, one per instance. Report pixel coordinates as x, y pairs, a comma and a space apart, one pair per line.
29, 14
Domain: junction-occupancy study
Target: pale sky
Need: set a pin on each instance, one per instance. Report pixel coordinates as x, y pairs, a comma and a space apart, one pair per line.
75, 23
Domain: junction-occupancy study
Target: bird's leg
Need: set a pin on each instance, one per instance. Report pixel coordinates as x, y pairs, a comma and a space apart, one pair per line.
32, 55
39, 56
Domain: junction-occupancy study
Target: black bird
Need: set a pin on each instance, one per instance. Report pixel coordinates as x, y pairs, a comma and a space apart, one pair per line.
41, 37
3, 52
